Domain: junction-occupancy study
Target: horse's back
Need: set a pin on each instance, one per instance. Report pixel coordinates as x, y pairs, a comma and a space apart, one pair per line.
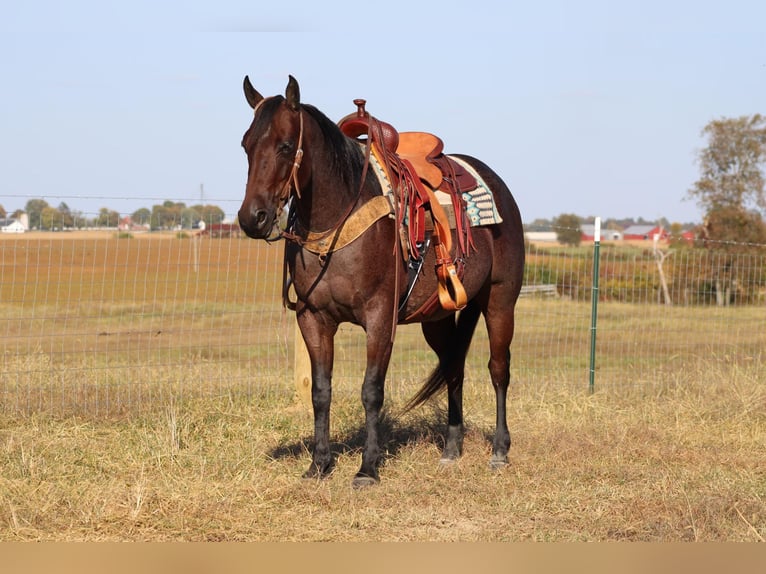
508, 235
496, 255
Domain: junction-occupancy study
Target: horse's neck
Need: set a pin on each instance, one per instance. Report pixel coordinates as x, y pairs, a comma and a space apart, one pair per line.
328, 198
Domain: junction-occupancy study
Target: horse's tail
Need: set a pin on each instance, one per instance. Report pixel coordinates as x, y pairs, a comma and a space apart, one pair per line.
453, 363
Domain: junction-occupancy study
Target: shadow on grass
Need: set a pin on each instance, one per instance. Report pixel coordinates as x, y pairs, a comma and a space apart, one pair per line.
395, 434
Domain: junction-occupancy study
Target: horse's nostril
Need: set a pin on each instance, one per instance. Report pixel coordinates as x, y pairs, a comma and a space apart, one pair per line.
260, 217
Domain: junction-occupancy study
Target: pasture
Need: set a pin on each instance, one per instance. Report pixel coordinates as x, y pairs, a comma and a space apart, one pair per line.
146, 394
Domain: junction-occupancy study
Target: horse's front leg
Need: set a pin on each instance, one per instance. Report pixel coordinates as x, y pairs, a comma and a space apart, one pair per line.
319, 342
379, 348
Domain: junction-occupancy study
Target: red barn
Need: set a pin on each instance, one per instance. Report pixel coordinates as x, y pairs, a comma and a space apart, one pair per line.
644, 232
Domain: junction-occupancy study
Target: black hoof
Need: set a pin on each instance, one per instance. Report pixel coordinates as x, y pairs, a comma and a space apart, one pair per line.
448, 460
498, 462
363, 481
316, 473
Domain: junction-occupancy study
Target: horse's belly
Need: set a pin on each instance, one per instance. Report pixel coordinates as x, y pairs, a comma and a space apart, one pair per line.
476, 274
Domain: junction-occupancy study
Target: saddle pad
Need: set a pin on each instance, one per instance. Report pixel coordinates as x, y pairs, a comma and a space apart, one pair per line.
480, 204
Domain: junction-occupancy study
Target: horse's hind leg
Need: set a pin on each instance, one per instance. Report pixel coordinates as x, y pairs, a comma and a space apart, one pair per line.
438, 335
500, 324
450, 340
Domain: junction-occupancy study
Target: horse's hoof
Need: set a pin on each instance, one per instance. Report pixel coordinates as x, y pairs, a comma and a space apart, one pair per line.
314, 473
498, 462
447, 461
363, 481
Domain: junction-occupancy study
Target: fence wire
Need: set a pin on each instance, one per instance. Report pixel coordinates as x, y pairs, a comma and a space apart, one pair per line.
102, 323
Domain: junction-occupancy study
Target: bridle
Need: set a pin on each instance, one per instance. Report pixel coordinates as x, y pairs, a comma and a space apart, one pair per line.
292, 178
291, 183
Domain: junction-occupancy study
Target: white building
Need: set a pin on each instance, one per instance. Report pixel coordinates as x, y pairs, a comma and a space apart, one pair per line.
13, 225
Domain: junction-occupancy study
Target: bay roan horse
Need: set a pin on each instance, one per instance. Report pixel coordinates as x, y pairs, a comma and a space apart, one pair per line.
295, 151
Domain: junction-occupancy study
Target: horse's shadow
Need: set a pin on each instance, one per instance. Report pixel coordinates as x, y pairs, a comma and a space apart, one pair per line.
395, 433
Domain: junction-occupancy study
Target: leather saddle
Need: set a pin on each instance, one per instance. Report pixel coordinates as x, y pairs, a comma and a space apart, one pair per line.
417, 167
423, 150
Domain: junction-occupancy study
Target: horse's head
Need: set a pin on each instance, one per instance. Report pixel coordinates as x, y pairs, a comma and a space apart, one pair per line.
273, 144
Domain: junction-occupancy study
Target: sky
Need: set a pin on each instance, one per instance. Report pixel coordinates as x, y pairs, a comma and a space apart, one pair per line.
588, 107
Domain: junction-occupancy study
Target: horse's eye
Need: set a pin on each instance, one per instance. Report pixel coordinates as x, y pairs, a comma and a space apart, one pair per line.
285, 147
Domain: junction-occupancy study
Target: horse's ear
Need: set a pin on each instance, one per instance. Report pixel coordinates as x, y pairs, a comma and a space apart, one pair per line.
251, 94
293, 94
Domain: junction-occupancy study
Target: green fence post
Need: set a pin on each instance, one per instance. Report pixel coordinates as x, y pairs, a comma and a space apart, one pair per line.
594, 304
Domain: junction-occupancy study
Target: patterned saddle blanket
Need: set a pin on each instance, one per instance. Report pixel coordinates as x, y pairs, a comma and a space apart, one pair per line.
479, 202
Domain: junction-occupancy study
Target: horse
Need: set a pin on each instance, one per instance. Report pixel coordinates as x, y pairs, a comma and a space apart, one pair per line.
296, 154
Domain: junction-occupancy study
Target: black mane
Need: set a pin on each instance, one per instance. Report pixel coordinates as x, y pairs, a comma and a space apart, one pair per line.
344, 155
346, 159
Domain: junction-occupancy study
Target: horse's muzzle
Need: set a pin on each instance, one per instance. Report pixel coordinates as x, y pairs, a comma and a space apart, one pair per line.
256, 223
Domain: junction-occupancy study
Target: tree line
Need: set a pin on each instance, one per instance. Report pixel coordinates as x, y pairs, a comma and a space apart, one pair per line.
167, 215
731, 190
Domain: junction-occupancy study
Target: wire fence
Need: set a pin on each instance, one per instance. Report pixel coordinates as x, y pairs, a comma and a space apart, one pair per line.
108, 324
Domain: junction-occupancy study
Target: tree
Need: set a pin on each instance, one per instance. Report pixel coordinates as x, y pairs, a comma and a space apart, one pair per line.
189, 217
141, 216
731, 182
167, 215
50, 218
568, 230
67, 218
107, 218
210, 214
727, 226
34, 209
3, 213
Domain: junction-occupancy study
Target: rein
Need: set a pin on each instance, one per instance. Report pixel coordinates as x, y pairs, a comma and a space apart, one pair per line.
323, 243
314, 237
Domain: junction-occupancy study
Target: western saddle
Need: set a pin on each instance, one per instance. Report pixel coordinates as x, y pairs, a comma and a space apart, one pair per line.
416, 167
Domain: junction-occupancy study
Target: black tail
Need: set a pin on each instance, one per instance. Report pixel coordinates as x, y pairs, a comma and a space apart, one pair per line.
453, 358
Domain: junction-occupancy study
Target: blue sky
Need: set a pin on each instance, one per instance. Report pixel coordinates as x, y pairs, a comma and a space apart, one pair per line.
588, 107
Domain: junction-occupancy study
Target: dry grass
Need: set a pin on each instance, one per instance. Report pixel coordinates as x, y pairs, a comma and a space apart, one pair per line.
142, 399
680, 461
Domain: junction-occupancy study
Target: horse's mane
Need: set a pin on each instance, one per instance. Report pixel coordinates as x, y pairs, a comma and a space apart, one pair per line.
345, 158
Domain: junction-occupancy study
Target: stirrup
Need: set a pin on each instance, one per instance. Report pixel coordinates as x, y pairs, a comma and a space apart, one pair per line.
452, 296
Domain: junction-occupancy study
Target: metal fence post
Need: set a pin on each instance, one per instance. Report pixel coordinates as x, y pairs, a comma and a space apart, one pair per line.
594, 303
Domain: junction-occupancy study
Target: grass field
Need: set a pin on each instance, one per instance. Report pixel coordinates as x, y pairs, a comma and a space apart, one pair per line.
676, 463
146, 394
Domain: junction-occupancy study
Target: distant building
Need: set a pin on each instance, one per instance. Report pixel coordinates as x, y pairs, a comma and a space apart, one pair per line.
644, 232
127, 224
589, 233
222, 230
541, 236
13, 225
688, 237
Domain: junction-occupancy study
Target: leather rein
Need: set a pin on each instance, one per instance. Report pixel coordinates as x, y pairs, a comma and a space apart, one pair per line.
291, 183
320, 238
